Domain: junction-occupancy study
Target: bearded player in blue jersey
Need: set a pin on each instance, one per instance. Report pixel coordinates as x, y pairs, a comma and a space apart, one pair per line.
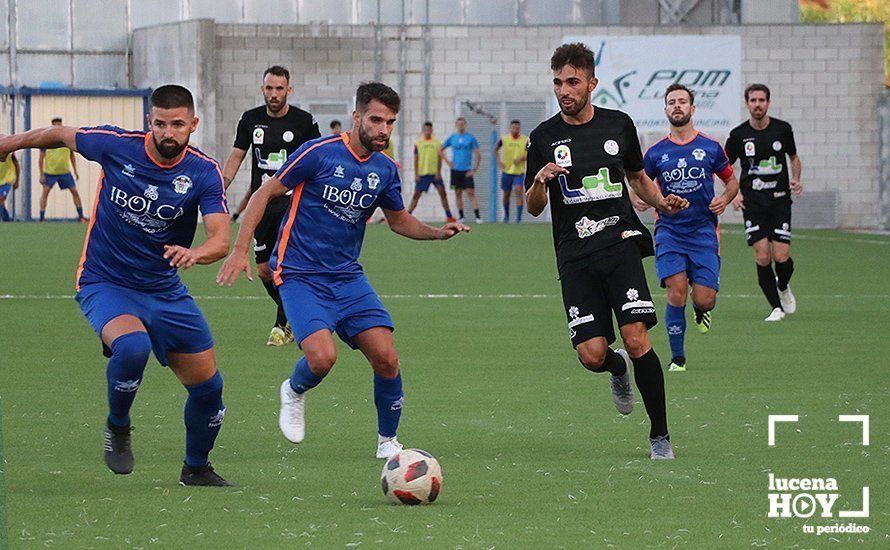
337, 183
687, 247
140, 235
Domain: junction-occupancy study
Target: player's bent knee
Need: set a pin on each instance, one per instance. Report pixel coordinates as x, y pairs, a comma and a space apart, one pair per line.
264, 273
636, 343
321, 361
706, 303
386, 365
133, 347
591, 357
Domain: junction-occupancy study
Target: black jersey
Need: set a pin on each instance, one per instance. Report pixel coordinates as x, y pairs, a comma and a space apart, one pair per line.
762, 155
590, 206
270, 140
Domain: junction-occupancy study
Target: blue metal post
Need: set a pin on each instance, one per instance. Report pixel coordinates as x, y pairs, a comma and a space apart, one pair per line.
493, 172
27, 179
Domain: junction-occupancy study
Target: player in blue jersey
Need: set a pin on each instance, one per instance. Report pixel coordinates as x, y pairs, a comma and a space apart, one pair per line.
140, 234
337, 183
687, 247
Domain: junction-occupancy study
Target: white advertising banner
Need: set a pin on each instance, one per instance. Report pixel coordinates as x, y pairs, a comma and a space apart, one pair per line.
633, 72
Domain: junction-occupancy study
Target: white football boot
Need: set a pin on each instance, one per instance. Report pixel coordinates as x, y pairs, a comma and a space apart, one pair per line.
776, 315
388, 447
290, 418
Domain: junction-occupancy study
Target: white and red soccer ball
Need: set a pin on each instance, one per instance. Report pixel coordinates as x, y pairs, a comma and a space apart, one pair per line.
411, 477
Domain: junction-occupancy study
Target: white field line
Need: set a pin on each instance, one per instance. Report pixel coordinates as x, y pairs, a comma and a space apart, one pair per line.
458, 297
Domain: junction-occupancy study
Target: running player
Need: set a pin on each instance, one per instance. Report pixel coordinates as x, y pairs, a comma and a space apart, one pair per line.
761, 145
9, 180
512, 164
578, 159
428, 170
465, 159
337, 182
144, 218
687, 247
271, 132
55, 165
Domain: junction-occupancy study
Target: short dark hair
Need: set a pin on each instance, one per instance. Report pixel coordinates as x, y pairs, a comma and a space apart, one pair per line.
576, 54
172, 96
515, 121
756, 88
56, 119
676, 86
428, 123
369, 91
460, 118
335, 123
277, 70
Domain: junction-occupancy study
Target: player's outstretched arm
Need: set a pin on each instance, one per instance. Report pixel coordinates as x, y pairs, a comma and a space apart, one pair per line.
403, 223
233, 163
50, 137
239, 260
536, 195
211, 250
646, 190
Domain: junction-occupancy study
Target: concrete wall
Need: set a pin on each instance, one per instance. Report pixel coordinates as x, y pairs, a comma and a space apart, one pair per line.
826, 81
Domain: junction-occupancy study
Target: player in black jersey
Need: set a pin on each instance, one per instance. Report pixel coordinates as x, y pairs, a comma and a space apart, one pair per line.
271, 132
761, 145
579, 159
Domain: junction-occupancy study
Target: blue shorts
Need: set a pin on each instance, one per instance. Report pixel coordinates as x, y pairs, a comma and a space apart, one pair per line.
345, 304
172, 319
509, 181
5, 189
702, 267
65, 181
425, 181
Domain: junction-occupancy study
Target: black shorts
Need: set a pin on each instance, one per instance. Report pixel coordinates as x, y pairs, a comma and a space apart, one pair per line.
266, 233
773, 223
613, 280
460, 180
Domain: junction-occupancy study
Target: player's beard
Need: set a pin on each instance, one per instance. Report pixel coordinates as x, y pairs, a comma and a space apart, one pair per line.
275, 107
369, 143
576, 106
169, 148
682, 120
758, 114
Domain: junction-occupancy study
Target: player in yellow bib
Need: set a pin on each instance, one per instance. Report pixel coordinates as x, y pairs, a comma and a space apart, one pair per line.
9, 180
428, 170
510, 153
55, 166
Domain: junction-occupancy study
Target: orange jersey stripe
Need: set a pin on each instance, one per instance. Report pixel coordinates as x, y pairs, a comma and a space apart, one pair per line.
86, 240
285, 232
218, 171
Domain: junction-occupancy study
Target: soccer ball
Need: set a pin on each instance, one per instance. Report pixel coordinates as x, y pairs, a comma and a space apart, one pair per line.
411, 477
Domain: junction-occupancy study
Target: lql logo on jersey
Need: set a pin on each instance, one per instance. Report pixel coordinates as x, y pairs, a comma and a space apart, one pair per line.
182, 184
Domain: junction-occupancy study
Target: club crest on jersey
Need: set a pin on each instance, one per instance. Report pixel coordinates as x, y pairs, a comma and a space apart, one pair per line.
777, 145
373, 180
356, 184
749, 148
151, 193
288, 136
338, 171
611, 147
182, 184
699, 154
681, 163
258, 135
563, 156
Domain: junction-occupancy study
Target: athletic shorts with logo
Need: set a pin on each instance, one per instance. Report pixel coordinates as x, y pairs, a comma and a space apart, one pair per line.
509, 181
460, 180
612, 280
697, 255
65, 181
423, 185
345, 304
773, 223
172, 318
266, 233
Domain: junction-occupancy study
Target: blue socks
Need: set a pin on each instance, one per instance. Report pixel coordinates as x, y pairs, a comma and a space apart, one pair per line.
42, 215
204, 414
519, 213
79, 212
303, 379
675, 320
129, 355
4, 214
388, 398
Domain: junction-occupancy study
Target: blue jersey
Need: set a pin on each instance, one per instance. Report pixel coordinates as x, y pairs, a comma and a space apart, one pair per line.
687, 170
462, 147
334, 193
140, 206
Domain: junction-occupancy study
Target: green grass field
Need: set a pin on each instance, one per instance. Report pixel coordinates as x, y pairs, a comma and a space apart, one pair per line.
533, 452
